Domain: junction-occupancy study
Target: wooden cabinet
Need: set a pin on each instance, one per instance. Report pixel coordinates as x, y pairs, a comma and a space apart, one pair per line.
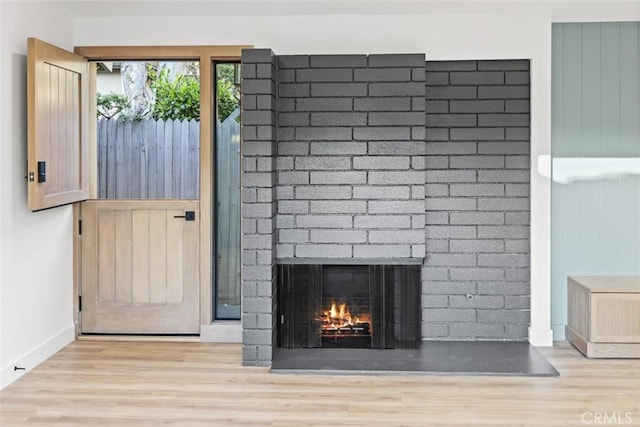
603, 316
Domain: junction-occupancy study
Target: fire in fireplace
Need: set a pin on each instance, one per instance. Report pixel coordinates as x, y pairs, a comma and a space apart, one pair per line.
337, 323
349, 306
338, 320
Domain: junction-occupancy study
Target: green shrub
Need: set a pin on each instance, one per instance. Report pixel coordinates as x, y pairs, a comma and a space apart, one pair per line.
228, 95
111, 104
177, 99
227, 99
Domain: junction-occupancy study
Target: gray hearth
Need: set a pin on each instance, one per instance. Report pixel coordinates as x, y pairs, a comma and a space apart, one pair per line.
388, 159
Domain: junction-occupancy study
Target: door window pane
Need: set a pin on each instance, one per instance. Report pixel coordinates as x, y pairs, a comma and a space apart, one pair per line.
148, 130
227, 185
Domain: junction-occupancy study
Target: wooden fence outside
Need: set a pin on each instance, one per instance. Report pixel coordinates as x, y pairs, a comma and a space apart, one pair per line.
155, 159
227, 216
148, 159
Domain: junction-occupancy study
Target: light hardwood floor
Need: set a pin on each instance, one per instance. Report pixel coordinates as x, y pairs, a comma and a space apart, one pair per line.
96, 383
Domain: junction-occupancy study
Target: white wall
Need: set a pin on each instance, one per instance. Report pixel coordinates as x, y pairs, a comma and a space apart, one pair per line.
2, 108
35, 248
109, 82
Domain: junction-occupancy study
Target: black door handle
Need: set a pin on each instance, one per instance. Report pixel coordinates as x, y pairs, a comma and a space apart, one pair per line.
188, 216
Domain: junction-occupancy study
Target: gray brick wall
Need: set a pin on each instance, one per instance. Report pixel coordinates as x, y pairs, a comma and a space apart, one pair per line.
258, 205
351, 169
476, 272
342, 157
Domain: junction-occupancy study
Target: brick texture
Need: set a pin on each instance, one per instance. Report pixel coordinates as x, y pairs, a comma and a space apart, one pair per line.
258, 205
381, 156
476, 272
353, 139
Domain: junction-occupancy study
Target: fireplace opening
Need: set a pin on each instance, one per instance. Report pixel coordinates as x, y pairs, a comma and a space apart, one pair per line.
349, 306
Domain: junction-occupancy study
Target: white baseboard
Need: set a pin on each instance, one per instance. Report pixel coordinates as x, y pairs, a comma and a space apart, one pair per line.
34, 357
541, 337
222, 331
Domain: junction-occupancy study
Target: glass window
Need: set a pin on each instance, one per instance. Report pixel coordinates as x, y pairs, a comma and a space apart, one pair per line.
227, 191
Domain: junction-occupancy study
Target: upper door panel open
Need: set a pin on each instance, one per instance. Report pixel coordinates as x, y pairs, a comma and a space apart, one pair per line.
57, 92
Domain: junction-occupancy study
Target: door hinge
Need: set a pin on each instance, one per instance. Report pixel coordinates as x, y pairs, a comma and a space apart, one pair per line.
79, 302
79, 226
282, 319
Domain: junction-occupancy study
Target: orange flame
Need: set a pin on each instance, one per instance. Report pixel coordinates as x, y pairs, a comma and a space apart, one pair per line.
339, 316
332, 311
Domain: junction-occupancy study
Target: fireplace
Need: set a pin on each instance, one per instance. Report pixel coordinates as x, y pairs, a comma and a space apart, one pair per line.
382, 161
349, 306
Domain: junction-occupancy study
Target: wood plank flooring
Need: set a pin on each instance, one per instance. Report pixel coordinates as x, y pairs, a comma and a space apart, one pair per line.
180, 383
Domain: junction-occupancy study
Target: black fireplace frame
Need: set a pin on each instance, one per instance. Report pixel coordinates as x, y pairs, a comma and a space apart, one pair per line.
394, 298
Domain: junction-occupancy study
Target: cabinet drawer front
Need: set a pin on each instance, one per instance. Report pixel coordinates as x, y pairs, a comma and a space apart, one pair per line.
615, 317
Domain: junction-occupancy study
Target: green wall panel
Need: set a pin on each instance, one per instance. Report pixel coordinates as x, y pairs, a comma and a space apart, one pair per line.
595, 146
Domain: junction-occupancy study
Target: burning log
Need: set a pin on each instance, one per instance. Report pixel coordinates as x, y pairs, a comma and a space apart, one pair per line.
337, 321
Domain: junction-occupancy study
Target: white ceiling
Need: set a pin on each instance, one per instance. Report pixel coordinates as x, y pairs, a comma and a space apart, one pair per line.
151, 8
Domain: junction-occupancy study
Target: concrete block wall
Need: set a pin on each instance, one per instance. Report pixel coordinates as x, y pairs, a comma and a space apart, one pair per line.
476, 273
258, 148
356, 156
350, 164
